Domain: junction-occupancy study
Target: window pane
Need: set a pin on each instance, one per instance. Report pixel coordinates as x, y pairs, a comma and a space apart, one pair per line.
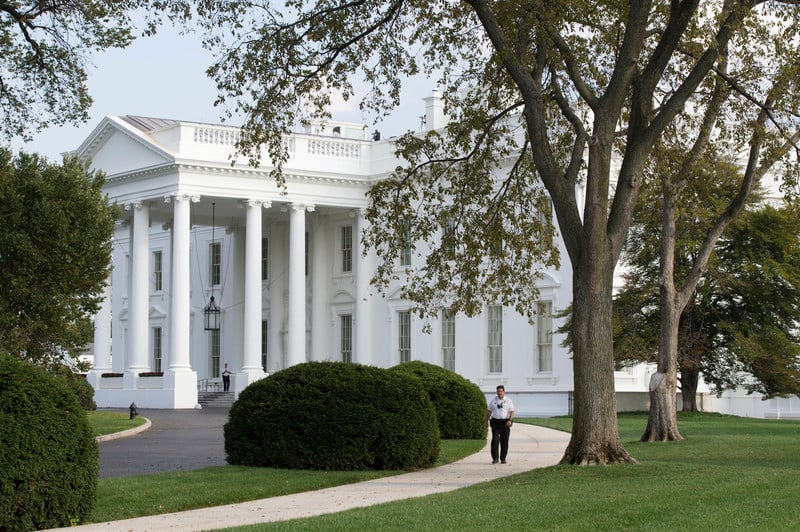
156, 348
404, 335
495, 338
264, 258
544, 334
448, 339
347, 248
215, 255
214, 348
405, 251
347, 337
157, 271
264, 343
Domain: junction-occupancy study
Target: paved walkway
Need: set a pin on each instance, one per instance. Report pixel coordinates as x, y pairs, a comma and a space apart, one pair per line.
531, 447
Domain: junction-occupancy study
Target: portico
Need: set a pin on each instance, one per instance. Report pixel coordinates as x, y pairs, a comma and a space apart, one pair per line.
268, 266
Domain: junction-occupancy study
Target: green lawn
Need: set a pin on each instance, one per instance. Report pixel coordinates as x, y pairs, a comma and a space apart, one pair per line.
104, 422
729, 474
125, 497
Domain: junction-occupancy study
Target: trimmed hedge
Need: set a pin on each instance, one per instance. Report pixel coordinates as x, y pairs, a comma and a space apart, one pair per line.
460, 404
333, 416
48, 456
79, 385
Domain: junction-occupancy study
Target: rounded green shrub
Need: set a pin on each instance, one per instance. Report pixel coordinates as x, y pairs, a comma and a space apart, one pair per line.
79, 385
48, 456
333, 416
460, 404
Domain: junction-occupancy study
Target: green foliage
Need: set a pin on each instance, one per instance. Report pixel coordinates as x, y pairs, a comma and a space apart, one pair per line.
55, 252
460, 404
742, 316
45, 48
48, 456
78, 384
333, 416
566, 99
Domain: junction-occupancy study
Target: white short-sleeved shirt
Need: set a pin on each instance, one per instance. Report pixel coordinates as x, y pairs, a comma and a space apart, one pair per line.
501, 408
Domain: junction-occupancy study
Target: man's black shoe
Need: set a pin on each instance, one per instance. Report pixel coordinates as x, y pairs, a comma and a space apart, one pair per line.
494, 461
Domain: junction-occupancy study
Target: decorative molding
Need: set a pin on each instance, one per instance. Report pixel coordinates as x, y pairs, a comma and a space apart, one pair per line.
296, 206
253, 202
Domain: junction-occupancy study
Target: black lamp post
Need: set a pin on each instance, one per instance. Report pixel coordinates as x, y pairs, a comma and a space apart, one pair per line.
211, 311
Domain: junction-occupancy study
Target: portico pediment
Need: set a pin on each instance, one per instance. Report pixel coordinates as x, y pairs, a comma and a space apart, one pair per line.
118, 148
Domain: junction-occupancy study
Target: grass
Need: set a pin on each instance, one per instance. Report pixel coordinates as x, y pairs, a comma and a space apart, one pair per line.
126, 497
110, 422
729, 474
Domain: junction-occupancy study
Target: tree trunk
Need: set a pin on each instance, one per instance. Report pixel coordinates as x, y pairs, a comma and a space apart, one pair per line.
662, 421
690, 377
595, 437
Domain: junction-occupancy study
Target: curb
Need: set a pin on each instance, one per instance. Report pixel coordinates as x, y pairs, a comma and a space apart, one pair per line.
125, 433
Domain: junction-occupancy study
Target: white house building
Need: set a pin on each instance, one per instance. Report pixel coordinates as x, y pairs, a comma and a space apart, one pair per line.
287, 274
286, 271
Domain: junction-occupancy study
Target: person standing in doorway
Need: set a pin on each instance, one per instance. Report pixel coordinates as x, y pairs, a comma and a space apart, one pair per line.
226, 379
501, 416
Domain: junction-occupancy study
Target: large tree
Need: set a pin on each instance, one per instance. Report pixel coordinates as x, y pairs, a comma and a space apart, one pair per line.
55, 255
45, 52
740, 325
568, 97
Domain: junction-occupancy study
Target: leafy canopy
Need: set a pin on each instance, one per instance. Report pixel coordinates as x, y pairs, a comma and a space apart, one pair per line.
45, 52
55, 254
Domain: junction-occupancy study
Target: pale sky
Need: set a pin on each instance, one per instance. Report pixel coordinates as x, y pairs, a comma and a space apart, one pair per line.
164, 77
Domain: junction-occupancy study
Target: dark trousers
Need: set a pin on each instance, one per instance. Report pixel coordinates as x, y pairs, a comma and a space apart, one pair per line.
500, 434
226, 383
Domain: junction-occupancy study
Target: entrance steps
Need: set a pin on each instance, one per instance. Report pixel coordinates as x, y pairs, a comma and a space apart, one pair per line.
215, 399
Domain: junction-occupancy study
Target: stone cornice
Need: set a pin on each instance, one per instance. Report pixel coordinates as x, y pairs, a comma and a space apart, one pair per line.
246, 172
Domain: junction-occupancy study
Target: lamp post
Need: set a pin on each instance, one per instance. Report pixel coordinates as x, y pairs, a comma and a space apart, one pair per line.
211, 311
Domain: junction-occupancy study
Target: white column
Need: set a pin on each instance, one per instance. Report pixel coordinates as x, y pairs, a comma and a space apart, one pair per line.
365, 269
180, 380
320, 319
102, 333
102, 340
232, 340
180, 277
296, 343
139, 302
252, 293
278, 266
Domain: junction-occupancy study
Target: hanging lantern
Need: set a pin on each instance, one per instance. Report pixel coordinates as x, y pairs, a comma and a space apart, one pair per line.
212, 315
211, 311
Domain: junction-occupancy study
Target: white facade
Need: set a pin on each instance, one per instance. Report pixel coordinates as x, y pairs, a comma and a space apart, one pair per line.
285, 269
287, 273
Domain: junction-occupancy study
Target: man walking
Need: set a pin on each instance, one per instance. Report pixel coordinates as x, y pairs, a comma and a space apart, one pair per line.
501, 416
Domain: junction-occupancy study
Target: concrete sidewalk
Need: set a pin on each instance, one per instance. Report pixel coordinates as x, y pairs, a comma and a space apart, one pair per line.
530, 447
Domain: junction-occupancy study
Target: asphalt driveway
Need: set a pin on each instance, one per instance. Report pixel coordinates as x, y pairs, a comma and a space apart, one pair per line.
179, 440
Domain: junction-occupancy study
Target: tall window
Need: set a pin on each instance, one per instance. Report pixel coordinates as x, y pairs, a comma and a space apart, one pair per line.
264, 258
405, 250
495, 339
156, 348
449, 240
347, 248
346, 321
157, 271
215, 263
214, 348
404, 335
544, 335
449, 339
264, 343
